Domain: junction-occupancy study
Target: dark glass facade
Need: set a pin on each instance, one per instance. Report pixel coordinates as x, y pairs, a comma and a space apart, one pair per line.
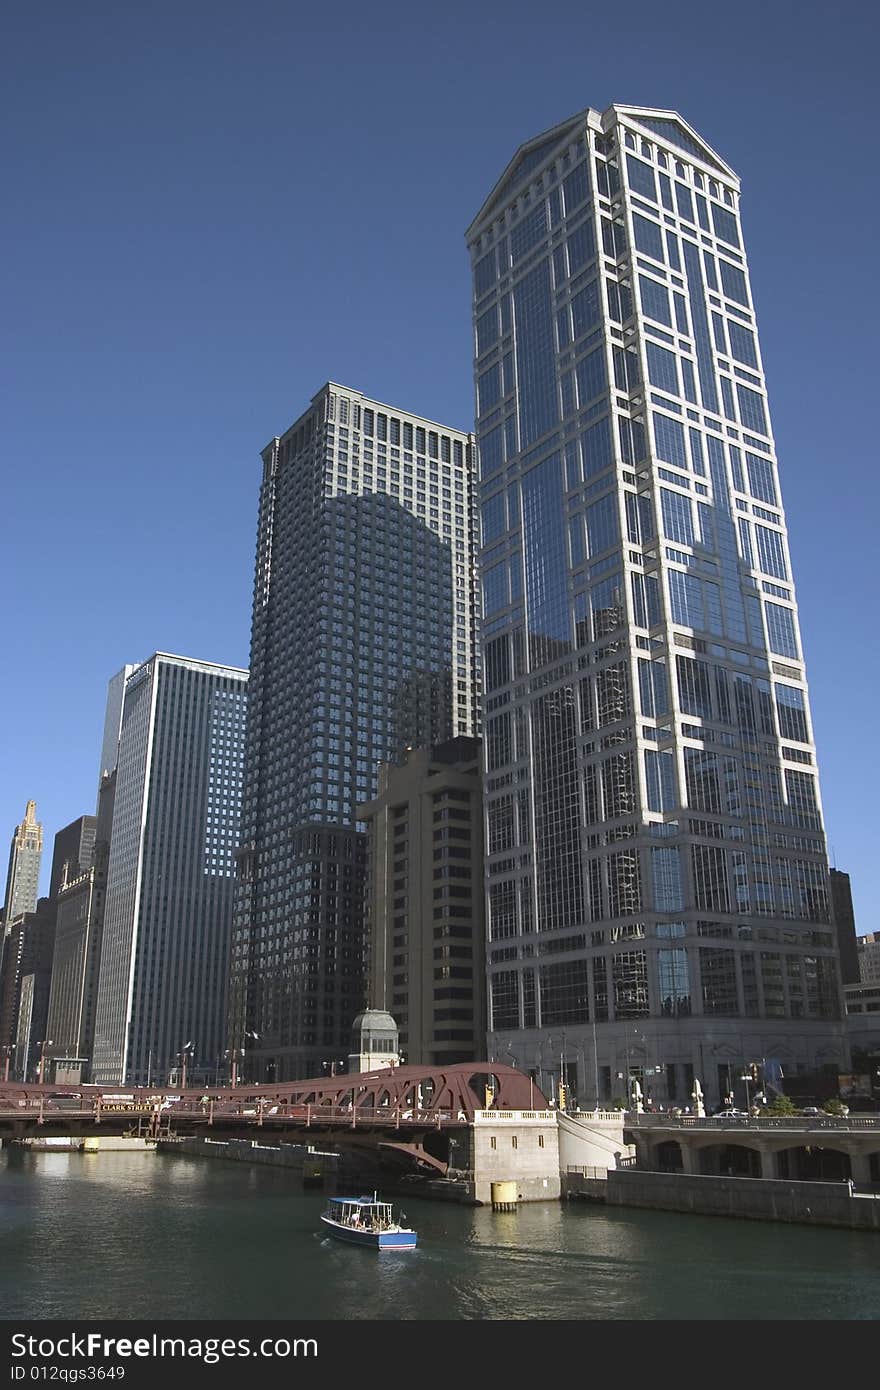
364, 642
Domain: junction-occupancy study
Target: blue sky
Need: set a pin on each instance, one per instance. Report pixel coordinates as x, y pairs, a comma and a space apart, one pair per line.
212, 208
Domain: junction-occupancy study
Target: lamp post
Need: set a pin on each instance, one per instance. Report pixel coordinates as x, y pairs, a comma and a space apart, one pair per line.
8, 1051
185, 1051
46, 1042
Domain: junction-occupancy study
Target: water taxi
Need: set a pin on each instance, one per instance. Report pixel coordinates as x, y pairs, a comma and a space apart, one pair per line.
367, 1221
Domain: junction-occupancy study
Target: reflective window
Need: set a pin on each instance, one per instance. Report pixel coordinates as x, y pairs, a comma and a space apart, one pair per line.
725, 225
669, 439
673, 980
662, 369
742, 344
666, 878
781, 630
751, 408
771, 552
655, 300
761, 481
585, 309
734, 283
791, 713
684, 201
660, 786
535, 355
699, 317
649, 239
641, 177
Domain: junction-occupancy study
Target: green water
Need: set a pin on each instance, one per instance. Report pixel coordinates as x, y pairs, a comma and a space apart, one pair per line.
140, 1236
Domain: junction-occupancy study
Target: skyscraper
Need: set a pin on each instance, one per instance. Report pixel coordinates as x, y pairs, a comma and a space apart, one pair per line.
656, 856
79, 926
168, 909
363, 642
23, 874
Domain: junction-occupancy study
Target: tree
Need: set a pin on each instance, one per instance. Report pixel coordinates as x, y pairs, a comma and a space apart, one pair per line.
833, 1106
781, 1105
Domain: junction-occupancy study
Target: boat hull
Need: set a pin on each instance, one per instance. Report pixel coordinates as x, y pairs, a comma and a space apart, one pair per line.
372, 1240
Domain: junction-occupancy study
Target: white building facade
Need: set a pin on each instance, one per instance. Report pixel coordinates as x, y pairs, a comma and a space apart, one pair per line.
168, 909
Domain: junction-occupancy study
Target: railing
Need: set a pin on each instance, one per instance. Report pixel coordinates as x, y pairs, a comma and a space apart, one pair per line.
213, 1112
586, 1171
721, 1122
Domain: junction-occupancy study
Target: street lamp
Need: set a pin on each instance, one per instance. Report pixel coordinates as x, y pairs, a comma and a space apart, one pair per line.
8, 1051
46, 1042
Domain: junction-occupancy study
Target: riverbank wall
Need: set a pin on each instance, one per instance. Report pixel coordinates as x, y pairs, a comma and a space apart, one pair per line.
299, 1156
753, 1199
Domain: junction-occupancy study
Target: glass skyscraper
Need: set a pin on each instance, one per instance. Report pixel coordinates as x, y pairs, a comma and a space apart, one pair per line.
164, 966
657, 871
364, 642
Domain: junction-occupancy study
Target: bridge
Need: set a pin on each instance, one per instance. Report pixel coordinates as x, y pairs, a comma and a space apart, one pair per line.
410, 1112
804, 1148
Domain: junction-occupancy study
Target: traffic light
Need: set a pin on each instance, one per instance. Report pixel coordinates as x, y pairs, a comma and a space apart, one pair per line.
754, 1070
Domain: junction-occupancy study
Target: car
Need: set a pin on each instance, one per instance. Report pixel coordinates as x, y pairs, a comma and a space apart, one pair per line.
731, 1115
812, 1110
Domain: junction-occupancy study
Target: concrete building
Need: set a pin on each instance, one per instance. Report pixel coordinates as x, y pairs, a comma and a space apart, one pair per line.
27, 967
868, 947
73, 852
23, 873
425, 916
167, 917
364, 641
657, 870
79, 925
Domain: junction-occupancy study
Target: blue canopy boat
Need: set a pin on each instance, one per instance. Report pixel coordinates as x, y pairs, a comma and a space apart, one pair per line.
367, 1221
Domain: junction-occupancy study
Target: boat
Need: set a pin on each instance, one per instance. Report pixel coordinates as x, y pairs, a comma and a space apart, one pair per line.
367, 1221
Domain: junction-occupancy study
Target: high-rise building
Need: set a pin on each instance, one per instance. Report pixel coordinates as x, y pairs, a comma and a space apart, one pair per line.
364, 641
844, 919
23, 874
425, 901
869, 958
73, 851
26, 967
168, 910
656, 856
79, 925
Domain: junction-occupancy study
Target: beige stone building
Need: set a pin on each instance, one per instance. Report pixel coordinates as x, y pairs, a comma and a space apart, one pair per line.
425, 901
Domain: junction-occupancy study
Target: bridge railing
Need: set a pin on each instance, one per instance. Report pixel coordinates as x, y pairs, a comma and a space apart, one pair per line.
213, 1112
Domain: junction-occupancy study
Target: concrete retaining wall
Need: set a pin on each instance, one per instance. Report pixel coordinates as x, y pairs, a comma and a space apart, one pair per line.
759, 1199
247, 1151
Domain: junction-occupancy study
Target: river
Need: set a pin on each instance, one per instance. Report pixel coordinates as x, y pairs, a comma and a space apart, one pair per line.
141, 1236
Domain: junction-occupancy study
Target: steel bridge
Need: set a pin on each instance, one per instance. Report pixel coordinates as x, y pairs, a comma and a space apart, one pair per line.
399, 1108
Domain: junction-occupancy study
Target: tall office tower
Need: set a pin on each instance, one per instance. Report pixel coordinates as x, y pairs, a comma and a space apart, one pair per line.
23, 874
364, 641
425, 901
168, 909
79, 925
844, 919
653, 807
73, 852
27, 952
